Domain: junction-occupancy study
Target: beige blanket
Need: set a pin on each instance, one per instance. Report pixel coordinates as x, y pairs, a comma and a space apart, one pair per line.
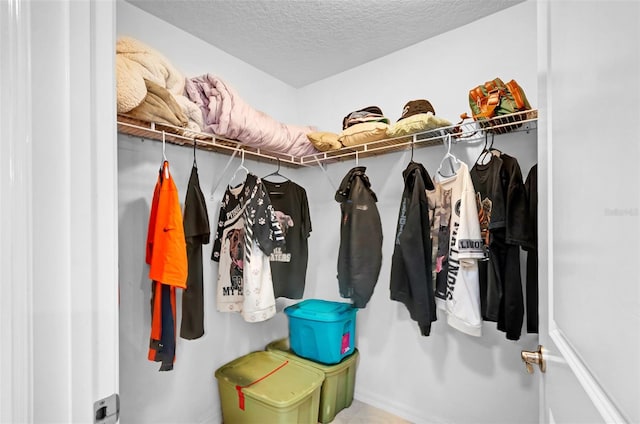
158, 106
137, 63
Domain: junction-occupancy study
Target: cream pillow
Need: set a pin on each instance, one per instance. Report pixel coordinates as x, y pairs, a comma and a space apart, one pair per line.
417, 123
363, 133
324, 141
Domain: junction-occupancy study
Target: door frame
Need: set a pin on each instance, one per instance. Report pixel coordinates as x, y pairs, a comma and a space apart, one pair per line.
16, 400
58, 187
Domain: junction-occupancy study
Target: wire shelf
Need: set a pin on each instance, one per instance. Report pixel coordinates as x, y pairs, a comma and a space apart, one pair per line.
465, 131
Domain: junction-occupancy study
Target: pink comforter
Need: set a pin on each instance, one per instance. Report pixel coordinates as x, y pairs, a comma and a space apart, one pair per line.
226, 114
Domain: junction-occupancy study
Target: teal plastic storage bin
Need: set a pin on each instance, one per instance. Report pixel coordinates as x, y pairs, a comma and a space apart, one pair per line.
322, 330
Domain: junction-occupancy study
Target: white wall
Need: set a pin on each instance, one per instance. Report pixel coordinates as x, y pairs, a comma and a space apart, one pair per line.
446, 377
194, 57
188, 393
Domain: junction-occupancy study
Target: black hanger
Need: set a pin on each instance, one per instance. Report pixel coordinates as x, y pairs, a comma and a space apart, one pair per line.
276, 173
487, 150
195, 144
412, 138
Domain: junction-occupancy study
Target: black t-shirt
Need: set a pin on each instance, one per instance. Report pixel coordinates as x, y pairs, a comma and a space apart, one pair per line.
490, 197
197, 233
502, 210
289, 263
516, 202
531, 190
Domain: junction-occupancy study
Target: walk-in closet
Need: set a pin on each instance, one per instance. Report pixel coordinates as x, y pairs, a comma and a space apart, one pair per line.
78, 185
461, 378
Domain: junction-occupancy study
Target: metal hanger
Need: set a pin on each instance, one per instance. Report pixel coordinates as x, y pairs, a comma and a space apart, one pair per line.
222, 174
195, 144
276, 173
240, 167
488, 150
412, 141
165, 163
451, 159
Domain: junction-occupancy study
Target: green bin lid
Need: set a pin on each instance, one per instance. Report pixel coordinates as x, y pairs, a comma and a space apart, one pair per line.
270, 378
283, 348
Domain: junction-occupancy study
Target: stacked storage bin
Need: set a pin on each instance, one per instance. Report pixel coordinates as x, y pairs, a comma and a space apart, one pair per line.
321, 330
308, 381
263, 387
322, 337
336, 392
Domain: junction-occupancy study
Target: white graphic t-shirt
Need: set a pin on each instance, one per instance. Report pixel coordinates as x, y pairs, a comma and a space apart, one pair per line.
459, 248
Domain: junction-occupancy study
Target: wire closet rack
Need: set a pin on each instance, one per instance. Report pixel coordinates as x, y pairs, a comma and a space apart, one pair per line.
465, 131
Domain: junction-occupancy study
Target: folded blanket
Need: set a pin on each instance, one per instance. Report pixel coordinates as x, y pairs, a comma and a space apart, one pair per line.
158, 106
137, 62
228, 115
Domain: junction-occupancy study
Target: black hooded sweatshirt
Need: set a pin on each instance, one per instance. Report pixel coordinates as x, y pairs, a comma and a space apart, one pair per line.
360, 254
411, 278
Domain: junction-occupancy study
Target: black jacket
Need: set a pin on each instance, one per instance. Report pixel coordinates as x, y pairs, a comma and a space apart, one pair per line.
360, 254
411, 278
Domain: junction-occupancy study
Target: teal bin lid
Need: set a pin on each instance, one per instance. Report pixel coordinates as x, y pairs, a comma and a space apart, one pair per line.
270, 378
320, 310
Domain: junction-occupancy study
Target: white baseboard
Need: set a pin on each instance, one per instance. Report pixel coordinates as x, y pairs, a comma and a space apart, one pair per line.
403, 411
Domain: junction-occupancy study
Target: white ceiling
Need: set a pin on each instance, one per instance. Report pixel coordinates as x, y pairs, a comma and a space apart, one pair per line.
303, 41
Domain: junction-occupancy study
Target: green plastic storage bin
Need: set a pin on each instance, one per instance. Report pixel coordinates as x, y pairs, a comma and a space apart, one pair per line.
263, 387
339, 379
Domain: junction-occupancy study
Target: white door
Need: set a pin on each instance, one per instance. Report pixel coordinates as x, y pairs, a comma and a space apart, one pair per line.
58, 232
589, 185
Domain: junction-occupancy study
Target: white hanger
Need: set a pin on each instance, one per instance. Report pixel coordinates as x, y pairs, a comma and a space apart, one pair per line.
164, 157
239, 168
452, 159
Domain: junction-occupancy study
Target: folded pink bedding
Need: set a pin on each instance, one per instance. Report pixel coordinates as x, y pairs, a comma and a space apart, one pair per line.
226, 114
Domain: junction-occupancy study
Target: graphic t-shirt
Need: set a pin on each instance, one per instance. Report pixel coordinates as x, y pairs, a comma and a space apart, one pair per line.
499, 184
457, 286
247, 232
490, 199
289, 262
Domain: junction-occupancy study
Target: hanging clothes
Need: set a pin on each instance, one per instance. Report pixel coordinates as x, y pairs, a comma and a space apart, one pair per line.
492, 217
247, 231
459, 249
501, 197
166, 255
289, 263
411, 276
197, 233
360, 252
531, 190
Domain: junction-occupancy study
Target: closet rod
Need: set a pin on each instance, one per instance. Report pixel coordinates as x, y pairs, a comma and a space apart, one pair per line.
205, 141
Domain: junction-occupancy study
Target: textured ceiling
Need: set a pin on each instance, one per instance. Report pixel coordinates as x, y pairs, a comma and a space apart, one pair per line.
303, 41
